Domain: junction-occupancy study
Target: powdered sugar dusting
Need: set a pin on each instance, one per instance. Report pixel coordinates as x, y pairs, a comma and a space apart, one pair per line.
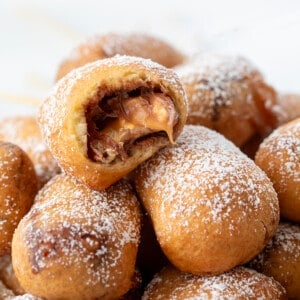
10, 213
24, 132
239, 283
54, 112
286, 243
216, 66
55, 105
283, 146
165, 74
211, 72
77, 226
134, 44
205, 164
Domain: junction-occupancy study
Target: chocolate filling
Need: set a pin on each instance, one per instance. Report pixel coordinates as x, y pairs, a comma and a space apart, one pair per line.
118, 121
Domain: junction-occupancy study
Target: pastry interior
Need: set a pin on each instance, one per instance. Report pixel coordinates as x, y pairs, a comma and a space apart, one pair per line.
118, 121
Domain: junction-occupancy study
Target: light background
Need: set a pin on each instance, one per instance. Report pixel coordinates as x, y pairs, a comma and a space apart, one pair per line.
37, 35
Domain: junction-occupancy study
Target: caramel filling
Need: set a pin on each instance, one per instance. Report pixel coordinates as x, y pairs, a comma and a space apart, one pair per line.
117, 122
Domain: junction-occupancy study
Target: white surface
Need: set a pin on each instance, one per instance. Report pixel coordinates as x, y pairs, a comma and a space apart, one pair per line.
36, 35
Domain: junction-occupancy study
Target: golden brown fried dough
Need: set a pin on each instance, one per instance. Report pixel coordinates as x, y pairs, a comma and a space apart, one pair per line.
76, 243
110, 44
239, 283
279, 157
104, 119
229, 95
212, 208
25, 132
281, 259
18, 187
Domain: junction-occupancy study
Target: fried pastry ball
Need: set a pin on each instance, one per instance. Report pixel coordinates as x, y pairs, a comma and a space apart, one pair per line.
25, 132
229, 95
18, 187
281, 259
76, 243
279, 157
239, 283
212, 208
102, 120
108, 45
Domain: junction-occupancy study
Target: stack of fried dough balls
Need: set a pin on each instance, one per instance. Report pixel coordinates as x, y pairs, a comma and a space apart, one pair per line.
279, 157
145, 207
81, 243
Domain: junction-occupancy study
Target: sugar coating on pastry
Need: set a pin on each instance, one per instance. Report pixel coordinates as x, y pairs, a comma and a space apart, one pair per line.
202, 195
238, 283
76, 111
281, 258
216, 72
57, 95
279, 157
89, 238
111, 44
284, 144
220, 159
109, 215
228, 94
210, 71
18, 187
24, 132
287, 238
